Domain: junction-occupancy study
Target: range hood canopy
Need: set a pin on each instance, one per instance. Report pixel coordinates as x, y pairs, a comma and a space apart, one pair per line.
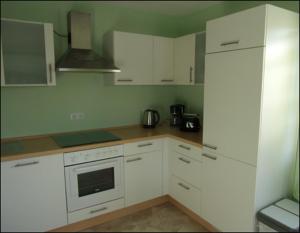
79, 56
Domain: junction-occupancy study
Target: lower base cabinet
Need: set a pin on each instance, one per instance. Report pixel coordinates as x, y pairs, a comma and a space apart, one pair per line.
143, 177
33, 194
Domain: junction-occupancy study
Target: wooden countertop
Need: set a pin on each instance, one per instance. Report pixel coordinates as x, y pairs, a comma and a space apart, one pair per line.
33, 146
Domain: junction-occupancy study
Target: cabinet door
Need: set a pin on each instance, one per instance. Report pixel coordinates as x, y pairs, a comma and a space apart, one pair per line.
143, 177
133, 54
184, 59
228, 191
232, 97
163, 60
33, 194
27, 51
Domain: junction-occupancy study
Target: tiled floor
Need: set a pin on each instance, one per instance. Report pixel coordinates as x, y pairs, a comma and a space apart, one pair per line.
163, 218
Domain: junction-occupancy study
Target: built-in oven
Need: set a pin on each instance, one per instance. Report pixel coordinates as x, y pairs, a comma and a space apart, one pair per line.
93, 177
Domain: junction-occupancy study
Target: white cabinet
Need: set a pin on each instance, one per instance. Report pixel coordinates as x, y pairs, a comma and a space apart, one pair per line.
27, 53
244, 29
250, 126
163, 60
227, 197
133, 54
143, 164
33, 194
184, 59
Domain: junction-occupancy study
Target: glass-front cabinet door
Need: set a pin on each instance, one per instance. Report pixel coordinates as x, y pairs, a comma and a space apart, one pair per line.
27, 53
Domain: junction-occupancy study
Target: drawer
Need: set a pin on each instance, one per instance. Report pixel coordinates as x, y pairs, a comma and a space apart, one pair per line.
142, 147
244, 29
186, 168
186, 149
186, 194
95, 210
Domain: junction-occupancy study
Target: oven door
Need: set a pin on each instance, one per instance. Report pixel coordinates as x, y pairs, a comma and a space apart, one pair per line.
94, 183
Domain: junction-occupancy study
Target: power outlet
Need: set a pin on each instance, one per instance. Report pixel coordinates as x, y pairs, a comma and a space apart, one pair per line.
77, 116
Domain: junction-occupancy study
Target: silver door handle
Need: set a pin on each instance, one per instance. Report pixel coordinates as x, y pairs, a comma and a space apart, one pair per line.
99, 210
50, 73
184, 186
184, 147
230, 42
26, 164
145, 144
124, 80
210, 146
191, 74
210, 156
184, 160
133, 160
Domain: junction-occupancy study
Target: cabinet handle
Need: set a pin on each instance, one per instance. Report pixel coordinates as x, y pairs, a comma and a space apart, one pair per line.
124, 80
26, 164
230, 42
191, 74
210, 146
184, 147
146, 144
167, 80
209, 156
184, 160
133, 160
184, 186
95, 211
50, 73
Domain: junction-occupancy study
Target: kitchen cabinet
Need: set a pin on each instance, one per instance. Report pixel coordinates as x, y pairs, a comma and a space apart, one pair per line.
163, 60
33, 194
143, 171
133, 54
250, 123
27, 53
184, 59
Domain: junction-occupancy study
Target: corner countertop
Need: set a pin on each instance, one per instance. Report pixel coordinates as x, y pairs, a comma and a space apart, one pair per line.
34, 146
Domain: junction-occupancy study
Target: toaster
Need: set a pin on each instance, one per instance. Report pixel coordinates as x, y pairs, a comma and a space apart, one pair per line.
190, 122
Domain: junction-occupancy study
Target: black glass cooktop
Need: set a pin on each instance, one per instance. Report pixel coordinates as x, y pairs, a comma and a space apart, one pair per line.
83, 138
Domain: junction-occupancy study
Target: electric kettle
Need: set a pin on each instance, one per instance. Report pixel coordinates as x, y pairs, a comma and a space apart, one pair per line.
151, 118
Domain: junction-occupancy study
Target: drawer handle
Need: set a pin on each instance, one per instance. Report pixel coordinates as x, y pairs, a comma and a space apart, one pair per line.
124, 80
133, 160
210, 156
184, 186
99, 210
167, 80
184, 160
210, 146
50, 73
230, 42
185, 147
146, 144
191, 74
26, 164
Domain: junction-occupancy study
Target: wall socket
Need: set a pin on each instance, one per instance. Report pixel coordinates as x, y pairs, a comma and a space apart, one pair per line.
77, 116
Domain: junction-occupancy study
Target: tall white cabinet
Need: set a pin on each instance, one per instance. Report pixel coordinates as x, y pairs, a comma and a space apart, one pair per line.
250, 114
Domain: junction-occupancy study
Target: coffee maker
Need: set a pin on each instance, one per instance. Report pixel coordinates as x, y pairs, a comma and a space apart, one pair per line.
176, 111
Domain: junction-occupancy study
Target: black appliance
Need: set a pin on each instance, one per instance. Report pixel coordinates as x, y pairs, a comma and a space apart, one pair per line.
151, 118
190, 123
176, 111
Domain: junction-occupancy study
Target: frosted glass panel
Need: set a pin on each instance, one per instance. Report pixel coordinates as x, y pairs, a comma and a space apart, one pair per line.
200, 58
23, 47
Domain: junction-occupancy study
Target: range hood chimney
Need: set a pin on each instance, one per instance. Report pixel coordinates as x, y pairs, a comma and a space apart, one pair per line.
80, 57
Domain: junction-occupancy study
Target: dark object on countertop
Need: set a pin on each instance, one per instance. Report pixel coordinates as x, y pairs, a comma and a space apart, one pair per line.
177, 111
190, 123
151, 118
83, 138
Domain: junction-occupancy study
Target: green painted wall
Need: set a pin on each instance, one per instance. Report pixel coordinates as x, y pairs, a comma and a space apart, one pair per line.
40, 110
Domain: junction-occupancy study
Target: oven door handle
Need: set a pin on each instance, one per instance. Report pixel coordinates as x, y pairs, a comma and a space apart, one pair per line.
88, 168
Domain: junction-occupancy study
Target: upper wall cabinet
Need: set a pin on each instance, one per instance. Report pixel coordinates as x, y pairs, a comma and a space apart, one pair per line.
244, 29
184, 59
163, 60
132, 53
27, 53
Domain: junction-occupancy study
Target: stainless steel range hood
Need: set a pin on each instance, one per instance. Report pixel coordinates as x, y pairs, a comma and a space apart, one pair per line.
79, 56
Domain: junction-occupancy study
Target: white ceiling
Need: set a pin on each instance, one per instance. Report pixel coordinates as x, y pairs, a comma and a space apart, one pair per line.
177, 8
